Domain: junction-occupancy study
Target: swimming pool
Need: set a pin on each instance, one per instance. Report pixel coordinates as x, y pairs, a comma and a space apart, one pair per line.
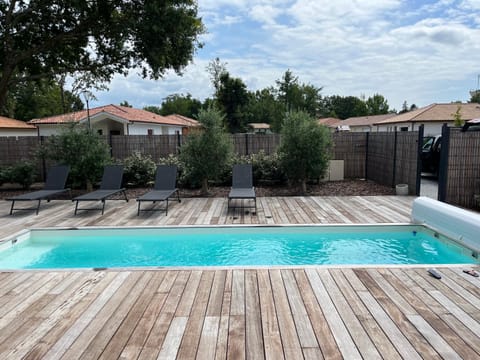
231, 246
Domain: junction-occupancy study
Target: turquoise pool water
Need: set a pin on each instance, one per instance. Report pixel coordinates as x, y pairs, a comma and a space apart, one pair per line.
231, 246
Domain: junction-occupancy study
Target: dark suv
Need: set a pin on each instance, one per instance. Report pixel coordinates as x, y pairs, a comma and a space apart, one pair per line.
431, 154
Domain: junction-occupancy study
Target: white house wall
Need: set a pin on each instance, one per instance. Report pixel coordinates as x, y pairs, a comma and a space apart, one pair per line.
142, 129
433, 128
17, 132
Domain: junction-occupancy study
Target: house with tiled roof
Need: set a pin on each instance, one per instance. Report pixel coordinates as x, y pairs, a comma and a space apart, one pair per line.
12, 127
115, 120
329, 122
185, 120
364, 123
432, 117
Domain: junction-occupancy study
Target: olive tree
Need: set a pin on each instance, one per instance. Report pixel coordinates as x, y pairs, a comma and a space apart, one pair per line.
206, 152
305, 149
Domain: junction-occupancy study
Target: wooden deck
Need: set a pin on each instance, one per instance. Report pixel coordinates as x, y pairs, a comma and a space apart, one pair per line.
265, 313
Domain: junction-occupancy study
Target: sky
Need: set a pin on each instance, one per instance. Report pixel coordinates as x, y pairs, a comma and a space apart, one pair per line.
421, 52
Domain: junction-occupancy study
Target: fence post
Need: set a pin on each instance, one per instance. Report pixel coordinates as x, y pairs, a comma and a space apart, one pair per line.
443, 166
246, 143
179, 142
421, 131
367, 139
394, 172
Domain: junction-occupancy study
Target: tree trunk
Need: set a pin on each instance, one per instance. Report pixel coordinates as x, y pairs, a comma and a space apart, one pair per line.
304, 186
204, 187
89, 186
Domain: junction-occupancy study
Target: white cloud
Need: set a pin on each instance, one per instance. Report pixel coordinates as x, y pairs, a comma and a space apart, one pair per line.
402, 50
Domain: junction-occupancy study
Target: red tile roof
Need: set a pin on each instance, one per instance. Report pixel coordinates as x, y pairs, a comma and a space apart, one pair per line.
7, 123
183, 120
329, 121
366, 120
436, 112
126, 113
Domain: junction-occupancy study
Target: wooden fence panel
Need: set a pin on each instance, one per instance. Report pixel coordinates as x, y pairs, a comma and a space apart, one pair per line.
407, 160
350, 147
463, 181
246, 144
15, 149
380, 157
157, 146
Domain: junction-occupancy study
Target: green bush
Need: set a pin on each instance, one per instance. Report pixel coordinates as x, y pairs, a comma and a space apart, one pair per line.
139, 169
267, 168
83, 150
206, 152
4, 175
22, 173
305, 149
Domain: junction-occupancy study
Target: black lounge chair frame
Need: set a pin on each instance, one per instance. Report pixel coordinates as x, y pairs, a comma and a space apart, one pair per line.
110, 185
242, 187
54, 185
164, 189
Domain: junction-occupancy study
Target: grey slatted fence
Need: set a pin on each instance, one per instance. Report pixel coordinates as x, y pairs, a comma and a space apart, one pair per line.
350, 147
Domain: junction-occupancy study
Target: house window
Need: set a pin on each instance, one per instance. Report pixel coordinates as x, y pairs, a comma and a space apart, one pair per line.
404, 128
150, 131
100, 132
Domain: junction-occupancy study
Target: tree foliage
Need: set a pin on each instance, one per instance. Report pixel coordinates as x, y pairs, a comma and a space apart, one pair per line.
41, 98
475, 96
298, 97
86, 153
232, 96
305, 148
179, 104
44, 38
206, 153
263, 107
377, 105
344, 107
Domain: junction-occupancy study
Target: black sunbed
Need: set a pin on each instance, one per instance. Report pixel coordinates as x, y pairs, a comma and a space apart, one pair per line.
164, 188
111, 184
55, 184
242, 187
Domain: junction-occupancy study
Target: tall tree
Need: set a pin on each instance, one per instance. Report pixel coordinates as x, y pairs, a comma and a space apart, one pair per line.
42, 98
216, 69
97, 39
377, 105
232, 96
344, 107
298, 97
263, 107
180, 104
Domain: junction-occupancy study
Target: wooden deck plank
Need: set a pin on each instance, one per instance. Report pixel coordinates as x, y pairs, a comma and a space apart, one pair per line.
270, 328
291, 344
397, 316
253, 323
357, 332
340, 332
344, 279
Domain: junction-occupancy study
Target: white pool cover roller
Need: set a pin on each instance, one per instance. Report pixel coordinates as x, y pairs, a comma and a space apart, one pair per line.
454, 222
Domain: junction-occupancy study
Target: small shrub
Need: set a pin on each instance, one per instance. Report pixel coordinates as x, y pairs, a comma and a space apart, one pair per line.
206, 152
139, 169
267, 168
4, 175
305, 149
85, 151
22, 173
